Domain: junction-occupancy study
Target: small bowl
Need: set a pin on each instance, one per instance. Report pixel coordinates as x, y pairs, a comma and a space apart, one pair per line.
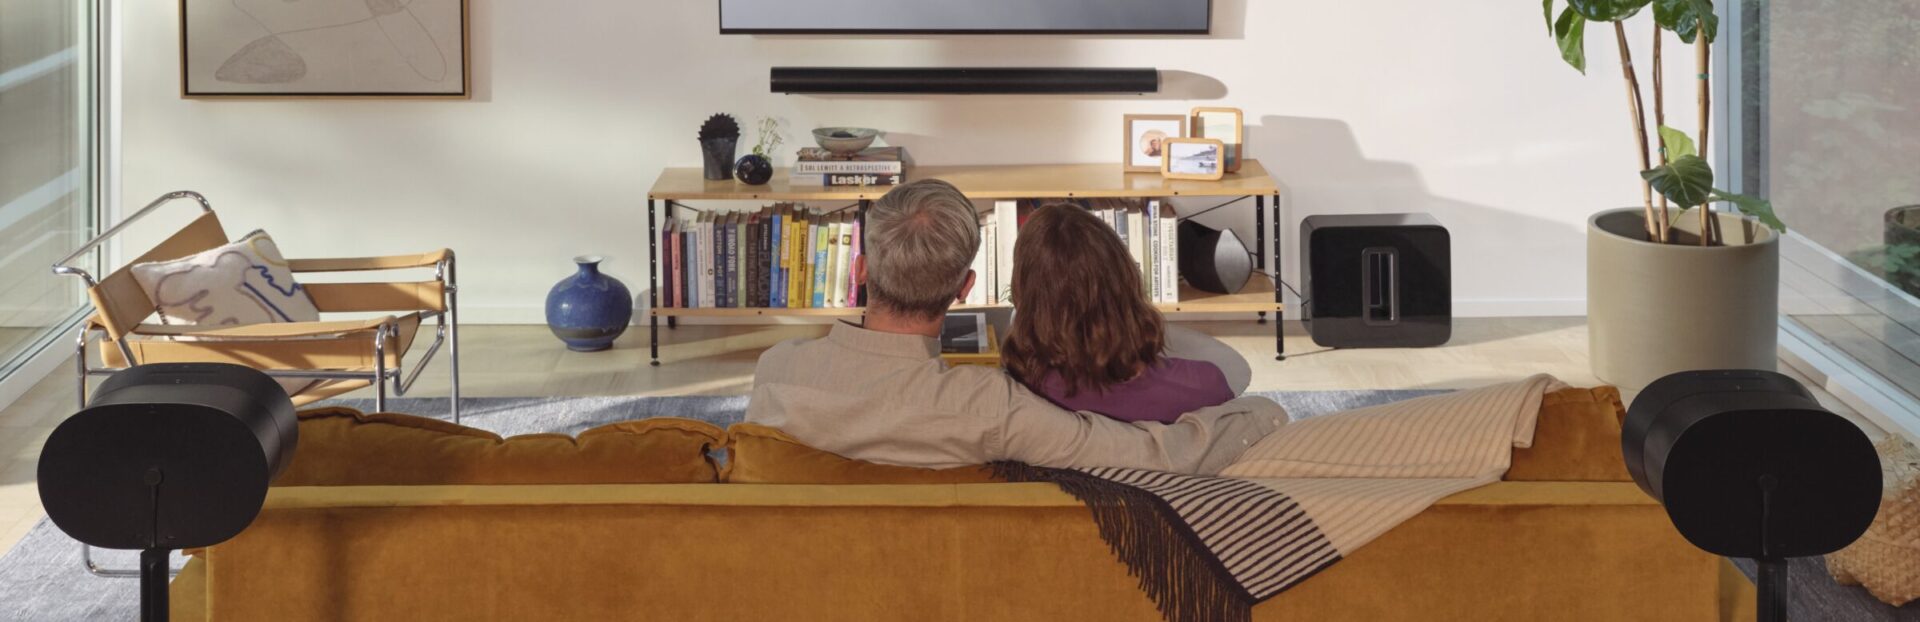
845, 141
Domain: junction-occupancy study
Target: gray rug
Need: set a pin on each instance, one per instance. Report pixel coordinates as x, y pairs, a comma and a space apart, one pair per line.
41, 579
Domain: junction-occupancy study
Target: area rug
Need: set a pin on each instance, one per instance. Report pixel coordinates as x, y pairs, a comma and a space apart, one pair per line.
41, 579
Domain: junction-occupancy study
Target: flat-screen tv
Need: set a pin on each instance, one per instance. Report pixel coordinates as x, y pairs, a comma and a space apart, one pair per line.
965, 16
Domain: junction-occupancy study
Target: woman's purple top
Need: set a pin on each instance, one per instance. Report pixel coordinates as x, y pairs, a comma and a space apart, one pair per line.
1166, 391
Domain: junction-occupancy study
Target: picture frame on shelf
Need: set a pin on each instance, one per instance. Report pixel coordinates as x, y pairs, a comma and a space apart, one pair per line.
1227, 125
276, 50
1201, 159
1143, 137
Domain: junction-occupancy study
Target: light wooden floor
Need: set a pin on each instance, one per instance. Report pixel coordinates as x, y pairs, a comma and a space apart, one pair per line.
520, 361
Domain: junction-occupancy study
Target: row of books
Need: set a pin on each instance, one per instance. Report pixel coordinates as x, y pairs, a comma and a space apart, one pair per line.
1149, 230
784, 256
790, 256
875, 166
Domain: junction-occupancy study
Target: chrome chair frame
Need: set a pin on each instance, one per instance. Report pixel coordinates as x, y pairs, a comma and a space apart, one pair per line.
446, 331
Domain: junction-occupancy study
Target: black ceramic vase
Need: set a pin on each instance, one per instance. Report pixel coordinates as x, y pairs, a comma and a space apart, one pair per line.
717, 157
753, 169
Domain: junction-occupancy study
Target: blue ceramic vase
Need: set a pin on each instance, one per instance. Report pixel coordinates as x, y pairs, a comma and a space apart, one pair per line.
589, 310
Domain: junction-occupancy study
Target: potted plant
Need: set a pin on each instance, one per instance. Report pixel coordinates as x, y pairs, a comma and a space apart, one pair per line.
1669, 291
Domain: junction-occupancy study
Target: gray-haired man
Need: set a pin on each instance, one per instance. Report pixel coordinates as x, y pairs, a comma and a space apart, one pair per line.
879, 391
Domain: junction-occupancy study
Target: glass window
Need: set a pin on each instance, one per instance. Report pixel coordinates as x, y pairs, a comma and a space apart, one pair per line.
46, 167
1831, 115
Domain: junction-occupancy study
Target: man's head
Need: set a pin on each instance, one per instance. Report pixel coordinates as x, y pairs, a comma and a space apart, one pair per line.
918, 254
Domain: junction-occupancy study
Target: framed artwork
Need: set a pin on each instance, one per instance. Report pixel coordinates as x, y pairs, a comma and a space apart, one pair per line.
324, 48
1194, 158
1145, 137
1226, 125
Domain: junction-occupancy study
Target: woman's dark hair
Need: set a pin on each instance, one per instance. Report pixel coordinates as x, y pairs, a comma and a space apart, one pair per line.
1082, 308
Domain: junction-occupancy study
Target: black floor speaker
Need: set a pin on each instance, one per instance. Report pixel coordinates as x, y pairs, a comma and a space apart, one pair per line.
1376, 280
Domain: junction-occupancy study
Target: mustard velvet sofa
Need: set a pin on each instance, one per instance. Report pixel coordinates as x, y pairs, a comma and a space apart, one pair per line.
1591, 548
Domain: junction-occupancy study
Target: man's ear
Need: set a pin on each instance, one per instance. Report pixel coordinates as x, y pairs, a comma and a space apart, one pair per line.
860, 270
966, 287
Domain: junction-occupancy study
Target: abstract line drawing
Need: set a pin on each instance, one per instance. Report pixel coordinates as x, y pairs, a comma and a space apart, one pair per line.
324, 47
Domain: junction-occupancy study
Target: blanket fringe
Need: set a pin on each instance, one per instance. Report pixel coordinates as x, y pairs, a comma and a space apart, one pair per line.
1140, 529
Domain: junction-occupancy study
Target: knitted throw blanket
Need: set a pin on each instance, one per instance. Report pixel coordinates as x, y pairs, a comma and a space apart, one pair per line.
1209, 548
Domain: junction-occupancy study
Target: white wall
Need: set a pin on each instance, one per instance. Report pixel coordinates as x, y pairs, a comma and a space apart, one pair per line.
1465, 112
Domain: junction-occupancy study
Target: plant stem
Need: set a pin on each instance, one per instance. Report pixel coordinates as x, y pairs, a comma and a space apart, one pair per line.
1637, 109
1703, 54
1659, 121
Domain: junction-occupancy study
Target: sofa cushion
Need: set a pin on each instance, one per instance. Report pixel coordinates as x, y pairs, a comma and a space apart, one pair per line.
344, 447
1576, 439
758, 454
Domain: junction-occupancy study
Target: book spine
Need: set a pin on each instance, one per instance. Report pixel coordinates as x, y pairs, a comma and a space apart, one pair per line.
749, 268
764, 238
846, 179
842, 264
853, 287
738, 277
777, 289
802, 260
1152, 271
820, 267
686, 269
804, 167
1006, 216
832, 263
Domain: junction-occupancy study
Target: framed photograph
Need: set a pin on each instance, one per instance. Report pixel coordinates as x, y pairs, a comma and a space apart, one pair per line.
324, 48
1194, 158
1226, 125
1146, 135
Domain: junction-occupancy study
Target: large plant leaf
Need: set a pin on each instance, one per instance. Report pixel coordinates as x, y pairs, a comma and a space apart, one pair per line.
1679, 145
1571, 32
1607, 10
1687, 17
1760, 209
1546, 7
1687, 181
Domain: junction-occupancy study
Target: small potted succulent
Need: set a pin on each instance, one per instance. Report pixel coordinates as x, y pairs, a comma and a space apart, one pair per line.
719, 138
756, 168
1669, 291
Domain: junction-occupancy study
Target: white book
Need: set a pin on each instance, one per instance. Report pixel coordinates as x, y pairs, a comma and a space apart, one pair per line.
978, 295
990, 279
843, 264
1152, 272
1170, 253
830, 264
1006, 218
1137, 241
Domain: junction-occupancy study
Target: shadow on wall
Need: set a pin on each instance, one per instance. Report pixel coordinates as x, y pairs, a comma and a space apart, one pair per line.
1321, 170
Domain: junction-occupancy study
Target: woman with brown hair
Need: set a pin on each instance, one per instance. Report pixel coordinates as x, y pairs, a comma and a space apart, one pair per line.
1084, 334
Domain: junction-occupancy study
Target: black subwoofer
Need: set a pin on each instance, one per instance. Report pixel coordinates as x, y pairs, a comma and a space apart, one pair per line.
1376, 281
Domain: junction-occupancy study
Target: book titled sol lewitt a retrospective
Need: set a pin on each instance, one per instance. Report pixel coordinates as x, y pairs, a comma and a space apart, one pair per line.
878, 166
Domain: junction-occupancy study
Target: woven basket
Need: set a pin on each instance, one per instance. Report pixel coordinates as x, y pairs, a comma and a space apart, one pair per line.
1886, 560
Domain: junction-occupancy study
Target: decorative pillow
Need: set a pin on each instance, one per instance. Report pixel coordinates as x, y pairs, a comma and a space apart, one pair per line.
344, 447
246, 282
758, 454
1575, 439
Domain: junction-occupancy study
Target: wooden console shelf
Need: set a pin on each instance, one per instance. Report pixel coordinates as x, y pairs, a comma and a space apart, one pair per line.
979, 182
989, 182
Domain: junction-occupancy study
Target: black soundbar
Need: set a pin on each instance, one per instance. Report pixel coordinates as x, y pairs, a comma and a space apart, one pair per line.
964, 80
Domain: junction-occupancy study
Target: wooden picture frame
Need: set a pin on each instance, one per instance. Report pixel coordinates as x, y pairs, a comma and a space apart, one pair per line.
1182, 158
1140, 136
261, 49
1201, 119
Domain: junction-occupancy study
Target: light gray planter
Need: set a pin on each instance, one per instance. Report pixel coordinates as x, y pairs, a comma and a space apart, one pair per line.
1655, 309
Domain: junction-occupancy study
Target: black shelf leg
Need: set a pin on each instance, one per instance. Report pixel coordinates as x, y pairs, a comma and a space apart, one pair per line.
1279, 317
673, 321
653, 285
1260, 240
